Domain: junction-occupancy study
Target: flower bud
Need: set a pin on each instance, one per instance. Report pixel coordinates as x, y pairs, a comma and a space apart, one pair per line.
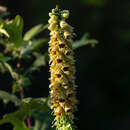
65, 14
50, 14
63, 24
52, 26
67, 35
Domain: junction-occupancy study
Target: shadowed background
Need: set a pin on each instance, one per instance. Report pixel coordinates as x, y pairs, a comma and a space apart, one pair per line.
103, 73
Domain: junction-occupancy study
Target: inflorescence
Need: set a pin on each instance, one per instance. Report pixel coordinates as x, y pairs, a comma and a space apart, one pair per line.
62, 70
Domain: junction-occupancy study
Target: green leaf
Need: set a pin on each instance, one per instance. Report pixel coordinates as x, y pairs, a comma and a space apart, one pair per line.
25, 51
43, 120
15, 88
36, 44
40, 61
3, 31
14, 29
34, 31
32, 45
2, 68
12, 72
17, 118
4, 58
84, 41
18, 124
7, 97
23, 82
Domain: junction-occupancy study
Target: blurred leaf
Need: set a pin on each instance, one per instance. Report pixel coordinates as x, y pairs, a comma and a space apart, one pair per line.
40, 61
7, 97
17, 118
18, 124
3, 31
36, 44
14, 29
12, 72
84, 41
34, 31
123, 35
26, 50
43, 120
4, 58
15, 88
23, 82
32, 45
2, 68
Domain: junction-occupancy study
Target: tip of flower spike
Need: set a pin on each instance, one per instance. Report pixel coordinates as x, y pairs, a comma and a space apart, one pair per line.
57, 6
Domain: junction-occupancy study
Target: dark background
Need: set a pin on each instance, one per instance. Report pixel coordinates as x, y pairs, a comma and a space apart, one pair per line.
103, 73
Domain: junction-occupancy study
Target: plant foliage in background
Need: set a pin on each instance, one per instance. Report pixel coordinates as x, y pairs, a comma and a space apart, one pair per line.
19, 49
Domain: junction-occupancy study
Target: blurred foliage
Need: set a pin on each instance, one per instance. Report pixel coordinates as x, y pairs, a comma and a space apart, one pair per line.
17, 118
7, 97
20, 57
84, 41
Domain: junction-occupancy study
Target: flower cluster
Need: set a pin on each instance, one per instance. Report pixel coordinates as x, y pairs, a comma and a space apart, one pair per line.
63, 96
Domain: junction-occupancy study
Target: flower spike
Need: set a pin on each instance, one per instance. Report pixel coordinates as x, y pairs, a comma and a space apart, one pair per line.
62, 70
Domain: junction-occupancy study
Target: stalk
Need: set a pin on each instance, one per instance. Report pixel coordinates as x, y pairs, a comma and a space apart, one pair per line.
22, 95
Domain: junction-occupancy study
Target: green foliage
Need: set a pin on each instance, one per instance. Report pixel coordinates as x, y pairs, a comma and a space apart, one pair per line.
42, 120
19, 48
4, 58
84, 41
34, 31
12, 72
7, 97
15, 29
17, 118
3, 31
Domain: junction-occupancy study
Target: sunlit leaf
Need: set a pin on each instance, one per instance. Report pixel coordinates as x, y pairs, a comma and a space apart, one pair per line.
34, 31
7, 97
14, 29
3, 31
12, 72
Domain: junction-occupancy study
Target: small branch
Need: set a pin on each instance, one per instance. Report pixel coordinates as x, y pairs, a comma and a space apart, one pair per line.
22, 96
29, 122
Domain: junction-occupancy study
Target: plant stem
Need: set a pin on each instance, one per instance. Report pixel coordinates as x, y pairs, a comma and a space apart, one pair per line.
22, 96
29, 122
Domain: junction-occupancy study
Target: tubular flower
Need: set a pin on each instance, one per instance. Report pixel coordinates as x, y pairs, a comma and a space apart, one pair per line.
62, 87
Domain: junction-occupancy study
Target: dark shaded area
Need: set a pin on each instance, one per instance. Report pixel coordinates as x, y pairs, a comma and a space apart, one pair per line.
103, 73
